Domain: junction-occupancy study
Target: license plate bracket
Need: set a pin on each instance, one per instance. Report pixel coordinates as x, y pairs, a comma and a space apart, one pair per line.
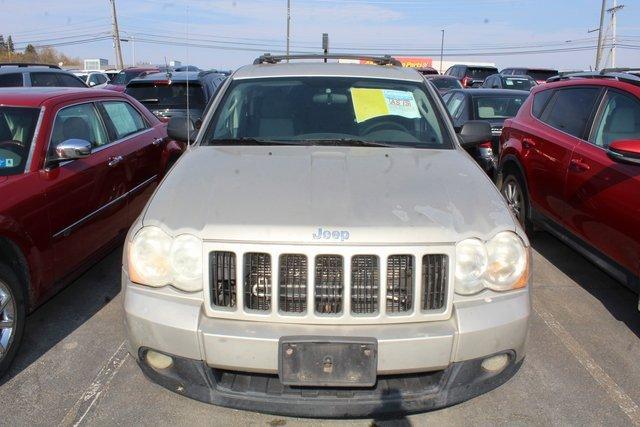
315, 361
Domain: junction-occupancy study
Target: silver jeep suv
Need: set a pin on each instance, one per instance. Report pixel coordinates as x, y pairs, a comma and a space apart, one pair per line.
327, 248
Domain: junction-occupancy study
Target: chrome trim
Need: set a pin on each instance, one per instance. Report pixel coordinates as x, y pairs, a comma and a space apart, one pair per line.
67, 230
34, 141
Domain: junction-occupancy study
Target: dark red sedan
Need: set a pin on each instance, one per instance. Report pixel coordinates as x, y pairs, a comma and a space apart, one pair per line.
76, 168
570, 162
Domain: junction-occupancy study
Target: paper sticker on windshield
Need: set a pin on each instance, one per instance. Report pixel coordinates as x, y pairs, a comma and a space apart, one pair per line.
509, 82
370, 103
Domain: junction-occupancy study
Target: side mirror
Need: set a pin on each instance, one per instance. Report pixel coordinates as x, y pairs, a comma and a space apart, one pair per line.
72, 149
182, 129
625, 151
475, 132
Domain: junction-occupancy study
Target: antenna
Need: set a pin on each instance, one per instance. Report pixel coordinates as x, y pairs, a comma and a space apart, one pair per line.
188, 109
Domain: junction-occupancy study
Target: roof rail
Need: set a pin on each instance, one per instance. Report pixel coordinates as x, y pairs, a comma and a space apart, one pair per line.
27, 64
619, 70
267, 58
603, 74
206, 72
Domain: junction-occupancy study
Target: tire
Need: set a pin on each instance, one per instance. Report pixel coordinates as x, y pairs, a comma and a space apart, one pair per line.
515, 193
12, 313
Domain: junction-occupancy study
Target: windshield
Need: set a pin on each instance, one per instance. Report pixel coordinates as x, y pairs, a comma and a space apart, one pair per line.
540, 75
518, 83
124, 77
446, 83
168, 96
480, 73
17, 125
310, 110
498, 107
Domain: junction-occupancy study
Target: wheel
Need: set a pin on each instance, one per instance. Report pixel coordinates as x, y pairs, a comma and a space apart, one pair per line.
12, 316
515, 193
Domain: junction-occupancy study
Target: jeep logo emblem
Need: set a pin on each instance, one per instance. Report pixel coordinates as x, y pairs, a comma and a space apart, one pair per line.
323, 234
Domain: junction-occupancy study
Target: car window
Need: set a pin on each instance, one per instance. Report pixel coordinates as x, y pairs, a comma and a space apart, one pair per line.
11, 80
519, 83
540, 75
479, 72
157, 96
455, 105
540, 102
45, 79
329, 109
126, 120
17, 126
68, 80
446, 83
498, 107
620, 119
78, 122
570, 109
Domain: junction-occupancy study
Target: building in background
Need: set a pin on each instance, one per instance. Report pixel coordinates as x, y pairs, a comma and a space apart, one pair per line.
96, 64
175, 63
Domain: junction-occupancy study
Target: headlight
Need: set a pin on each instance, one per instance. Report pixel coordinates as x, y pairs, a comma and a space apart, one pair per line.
155, 259
471, 263
501, 264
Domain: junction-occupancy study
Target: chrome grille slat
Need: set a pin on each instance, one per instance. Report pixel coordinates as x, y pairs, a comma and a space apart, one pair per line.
365, 284
329, 284
223, 278
257, 281
400, 278
292, 287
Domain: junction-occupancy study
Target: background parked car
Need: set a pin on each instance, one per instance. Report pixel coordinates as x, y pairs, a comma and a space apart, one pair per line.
164, 94
77, 167
491, 105
95, 79
120, 81
36, 75
471, 75
540, 75
571, 164
111, 74
444, 83
499, 81
428, 71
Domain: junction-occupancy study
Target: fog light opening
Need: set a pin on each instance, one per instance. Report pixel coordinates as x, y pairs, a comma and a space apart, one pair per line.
495, 364
158, 360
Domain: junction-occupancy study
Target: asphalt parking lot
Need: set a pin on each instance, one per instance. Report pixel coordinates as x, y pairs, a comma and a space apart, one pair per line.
582, 365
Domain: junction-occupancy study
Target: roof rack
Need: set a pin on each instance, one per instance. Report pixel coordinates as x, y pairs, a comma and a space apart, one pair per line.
27, 64
603, 74
267, 58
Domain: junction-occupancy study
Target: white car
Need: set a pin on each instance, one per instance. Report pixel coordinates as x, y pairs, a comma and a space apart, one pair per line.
327, 248
94, 79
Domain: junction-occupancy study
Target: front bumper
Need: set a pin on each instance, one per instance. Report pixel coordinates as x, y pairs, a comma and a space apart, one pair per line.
394, 394
444, 356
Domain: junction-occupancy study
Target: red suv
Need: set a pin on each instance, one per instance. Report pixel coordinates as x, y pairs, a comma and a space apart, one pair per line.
76, 169
570, 163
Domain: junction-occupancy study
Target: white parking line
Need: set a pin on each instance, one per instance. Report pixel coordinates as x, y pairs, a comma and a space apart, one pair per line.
88, 399
624, 402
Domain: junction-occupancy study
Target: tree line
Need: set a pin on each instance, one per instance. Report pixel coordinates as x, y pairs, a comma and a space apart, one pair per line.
31, 53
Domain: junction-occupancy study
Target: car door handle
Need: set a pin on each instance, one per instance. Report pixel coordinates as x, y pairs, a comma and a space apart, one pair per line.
114, 161
578, 165
158, 141
528, 143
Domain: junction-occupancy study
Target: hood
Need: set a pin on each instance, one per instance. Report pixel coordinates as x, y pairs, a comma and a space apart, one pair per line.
360, 195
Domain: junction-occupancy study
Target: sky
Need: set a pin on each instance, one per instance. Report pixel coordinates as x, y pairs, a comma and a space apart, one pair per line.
225, 34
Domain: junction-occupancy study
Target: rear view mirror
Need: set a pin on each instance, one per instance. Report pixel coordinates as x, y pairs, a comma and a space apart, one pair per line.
72, 149
182, 129
475, 132
625, 151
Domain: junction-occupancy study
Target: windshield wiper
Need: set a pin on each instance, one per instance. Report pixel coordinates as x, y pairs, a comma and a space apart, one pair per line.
353, 142
253, 141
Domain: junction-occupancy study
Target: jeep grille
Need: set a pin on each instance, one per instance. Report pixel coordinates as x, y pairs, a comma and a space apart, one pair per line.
434, 281
329, 284
293, 283
223, 278
399, 283
365, 284
257, 281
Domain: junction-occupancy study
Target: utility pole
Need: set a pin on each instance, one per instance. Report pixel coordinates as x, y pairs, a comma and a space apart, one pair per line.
441, 50
288, 25
116, 35
614, 12
600, 34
